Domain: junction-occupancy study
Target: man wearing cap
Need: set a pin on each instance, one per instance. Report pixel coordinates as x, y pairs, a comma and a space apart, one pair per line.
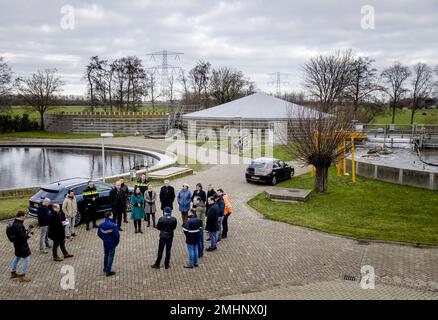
166, 224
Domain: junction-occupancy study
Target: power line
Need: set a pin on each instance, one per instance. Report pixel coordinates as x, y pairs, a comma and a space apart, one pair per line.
277, 82
165, 67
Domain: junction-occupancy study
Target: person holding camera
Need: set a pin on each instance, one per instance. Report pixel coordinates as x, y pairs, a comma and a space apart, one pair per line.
137, 209
18, 234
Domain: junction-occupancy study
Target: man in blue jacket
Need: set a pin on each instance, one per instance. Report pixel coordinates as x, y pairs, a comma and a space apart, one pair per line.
109, 233
192, 229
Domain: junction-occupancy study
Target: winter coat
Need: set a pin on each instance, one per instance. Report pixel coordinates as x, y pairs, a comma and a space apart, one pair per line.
149, 202
221, 206
137, 207
209, 194
143, 185
201, 194
191, 229
212, 219
117, 200
21, 246
88, 195
184, 200
200, 213
70, 207
43, 214
56, 228
166, 224
109, 233
125, 189
167, 196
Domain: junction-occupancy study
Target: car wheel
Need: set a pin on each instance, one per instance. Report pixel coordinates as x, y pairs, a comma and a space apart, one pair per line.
274, 181
78, 219
247, 180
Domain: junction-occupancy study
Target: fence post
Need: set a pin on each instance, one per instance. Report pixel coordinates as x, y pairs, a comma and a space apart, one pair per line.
400, 176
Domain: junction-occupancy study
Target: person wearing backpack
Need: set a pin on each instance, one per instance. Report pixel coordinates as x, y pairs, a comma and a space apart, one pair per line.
18, 234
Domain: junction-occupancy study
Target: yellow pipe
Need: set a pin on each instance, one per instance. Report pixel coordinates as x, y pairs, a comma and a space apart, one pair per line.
344, 159
312, 170
353, 165
339, 160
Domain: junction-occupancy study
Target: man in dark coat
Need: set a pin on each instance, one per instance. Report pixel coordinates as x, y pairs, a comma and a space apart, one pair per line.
57, 233
191, 230
90, 196
22, 250
125, 189
118, 203
211, 224
167, 195
109, 233
43, 214
210, 193
166, 224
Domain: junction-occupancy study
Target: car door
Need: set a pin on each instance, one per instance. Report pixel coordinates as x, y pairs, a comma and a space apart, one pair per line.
104, 189
283, 170
78, 191
276, 170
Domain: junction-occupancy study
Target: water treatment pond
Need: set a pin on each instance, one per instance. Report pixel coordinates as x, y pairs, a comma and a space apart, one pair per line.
35, 166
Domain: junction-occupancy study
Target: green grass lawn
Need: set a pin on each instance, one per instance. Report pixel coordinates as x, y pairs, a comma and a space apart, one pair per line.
426, 116
368, 210
10, 206
48, 135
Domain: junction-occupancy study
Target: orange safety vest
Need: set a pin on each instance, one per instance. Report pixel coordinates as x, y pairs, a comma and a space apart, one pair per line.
228, 208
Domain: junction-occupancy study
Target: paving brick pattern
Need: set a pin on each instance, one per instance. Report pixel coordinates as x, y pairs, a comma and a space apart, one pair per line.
261, 259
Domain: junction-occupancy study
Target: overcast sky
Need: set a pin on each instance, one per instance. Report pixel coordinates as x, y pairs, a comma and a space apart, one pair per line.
257, 37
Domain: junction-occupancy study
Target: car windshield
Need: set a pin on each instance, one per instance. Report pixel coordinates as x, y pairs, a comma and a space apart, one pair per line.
46, 193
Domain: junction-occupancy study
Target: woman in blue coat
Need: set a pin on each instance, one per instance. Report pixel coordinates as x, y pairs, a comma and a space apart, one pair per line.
184, 201
137, 205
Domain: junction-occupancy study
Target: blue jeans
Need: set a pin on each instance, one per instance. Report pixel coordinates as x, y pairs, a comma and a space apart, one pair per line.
213, 239
201, 241
108, 259
24, 265
193, 254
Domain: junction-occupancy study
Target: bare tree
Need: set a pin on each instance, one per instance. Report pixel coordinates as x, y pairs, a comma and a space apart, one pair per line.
363, 82
152, 84
5, 77
199, 78
227, 84
94, 71
313, 137
422, 86
40, 90
327, 77
395, 77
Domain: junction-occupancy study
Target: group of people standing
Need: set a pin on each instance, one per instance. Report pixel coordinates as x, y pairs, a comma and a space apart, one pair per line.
201, 211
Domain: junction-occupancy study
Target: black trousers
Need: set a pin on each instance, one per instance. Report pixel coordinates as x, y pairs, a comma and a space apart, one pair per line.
90, 216
56, 245
164, 243
118, 218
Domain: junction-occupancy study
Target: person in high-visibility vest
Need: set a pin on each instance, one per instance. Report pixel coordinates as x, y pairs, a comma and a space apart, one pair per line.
227, 212
142, 183
90, 196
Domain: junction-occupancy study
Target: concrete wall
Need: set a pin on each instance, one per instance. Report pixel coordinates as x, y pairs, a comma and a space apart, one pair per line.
409, 177
98, 122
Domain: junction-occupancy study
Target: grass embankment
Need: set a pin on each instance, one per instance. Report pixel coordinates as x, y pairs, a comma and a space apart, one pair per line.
426, 116
370, 209
10, 206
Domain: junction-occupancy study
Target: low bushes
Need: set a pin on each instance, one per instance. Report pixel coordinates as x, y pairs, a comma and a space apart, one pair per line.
17, 123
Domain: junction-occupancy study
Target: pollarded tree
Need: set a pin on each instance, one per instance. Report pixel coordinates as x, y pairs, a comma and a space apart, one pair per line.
40, 90
314, 137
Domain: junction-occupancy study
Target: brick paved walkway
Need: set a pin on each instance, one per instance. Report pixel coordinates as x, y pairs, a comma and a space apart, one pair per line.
259, 259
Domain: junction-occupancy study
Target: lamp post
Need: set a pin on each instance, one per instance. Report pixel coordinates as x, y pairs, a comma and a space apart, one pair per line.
104, 135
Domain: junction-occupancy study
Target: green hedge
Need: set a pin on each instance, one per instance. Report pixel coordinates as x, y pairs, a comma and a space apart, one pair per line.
17, 123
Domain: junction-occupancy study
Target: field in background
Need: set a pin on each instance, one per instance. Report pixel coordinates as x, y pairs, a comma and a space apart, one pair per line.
425, 116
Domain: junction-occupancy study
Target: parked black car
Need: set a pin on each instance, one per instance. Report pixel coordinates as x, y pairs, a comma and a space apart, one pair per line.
57, 191
268, 170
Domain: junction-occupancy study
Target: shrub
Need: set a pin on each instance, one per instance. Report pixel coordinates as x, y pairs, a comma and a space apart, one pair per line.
17, 123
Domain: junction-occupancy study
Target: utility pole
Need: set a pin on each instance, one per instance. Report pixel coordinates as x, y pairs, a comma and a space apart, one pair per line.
277, 81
